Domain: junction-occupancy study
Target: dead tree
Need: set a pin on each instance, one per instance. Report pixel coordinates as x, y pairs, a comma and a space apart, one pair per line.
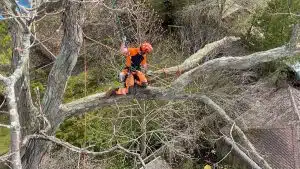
28, 140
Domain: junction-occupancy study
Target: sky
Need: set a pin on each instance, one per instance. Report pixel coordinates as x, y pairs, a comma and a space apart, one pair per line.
25, 3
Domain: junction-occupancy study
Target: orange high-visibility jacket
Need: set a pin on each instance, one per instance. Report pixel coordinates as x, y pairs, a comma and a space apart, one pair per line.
135, 59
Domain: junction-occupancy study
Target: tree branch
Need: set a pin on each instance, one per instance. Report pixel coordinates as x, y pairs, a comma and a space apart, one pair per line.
95, 101
5, 157
15, 127
241, 134
91, 102
195, 59
293, 102
6, 126
73, 19
23, 63
80, 150
241, 153
4, 79
244, 62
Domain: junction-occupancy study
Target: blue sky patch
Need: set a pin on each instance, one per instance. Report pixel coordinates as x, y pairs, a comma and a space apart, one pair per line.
25, 3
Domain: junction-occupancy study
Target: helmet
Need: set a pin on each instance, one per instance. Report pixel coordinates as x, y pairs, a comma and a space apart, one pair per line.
146, 47
207, 167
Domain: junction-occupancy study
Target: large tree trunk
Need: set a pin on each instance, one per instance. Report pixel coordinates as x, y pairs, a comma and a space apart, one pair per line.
21, 40
57, 80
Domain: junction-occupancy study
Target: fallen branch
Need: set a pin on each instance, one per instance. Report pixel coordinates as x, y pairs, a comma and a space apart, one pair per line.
240, 63
241, 154
241, 134
91, 102
195, 59
293, 102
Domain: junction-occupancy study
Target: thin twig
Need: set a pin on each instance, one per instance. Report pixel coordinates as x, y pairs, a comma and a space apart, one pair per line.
80, 150
6, 126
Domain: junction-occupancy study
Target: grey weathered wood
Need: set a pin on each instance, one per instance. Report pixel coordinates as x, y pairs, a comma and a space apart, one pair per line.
241, 154
61, 70
240, 63
157, 163
195, 59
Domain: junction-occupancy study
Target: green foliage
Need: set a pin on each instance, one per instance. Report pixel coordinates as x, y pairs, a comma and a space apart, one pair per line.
274, 25
5, 43
5, 55
38, 80
4, 135
104, 128
34, 85
95, 129
76, 86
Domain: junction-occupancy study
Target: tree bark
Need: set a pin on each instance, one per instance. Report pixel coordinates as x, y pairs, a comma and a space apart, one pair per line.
52, 106
195, 59
238, 63
241, 154
57, 80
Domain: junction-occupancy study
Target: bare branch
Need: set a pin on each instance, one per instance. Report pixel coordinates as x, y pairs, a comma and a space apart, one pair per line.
6, 126
241, 153
196, 58
232, 127
281, 13
90, 102
14, 126
97, 42
241, 134
24, 53
293, 102
134, 154
66, 144
65, 61
5, 157
240, 63
44, 49
4, 79
123, 10
80, 150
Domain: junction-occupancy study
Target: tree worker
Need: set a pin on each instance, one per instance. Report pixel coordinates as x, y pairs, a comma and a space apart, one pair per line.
136, 59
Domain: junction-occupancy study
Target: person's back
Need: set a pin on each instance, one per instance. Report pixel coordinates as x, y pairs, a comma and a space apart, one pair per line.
135, 59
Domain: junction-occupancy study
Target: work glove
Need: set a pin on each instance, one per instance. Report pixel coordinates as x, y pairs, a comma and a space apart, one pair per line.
124, 39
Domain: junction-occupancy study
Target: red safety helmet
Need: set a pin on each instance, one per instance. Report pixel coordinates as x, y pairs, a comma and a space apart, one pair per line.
146, 47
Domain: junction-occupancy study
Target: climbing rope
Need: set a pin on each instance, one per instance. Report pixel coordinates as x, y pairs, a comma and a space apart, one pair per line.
85, 94
122, 34
119, 25
114, 4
